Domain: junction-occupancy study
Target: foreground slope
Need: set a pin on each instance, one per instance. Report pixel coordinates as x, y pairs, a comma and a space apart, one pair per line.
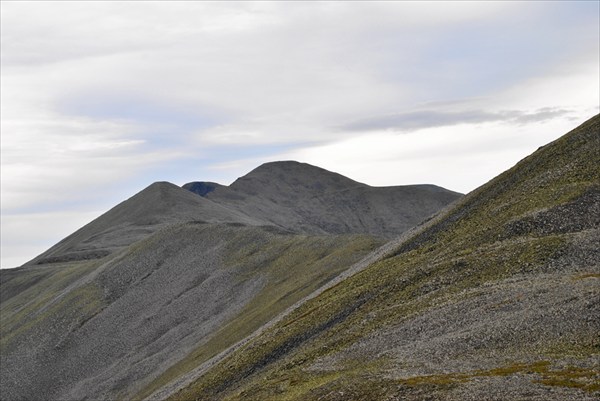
496, 298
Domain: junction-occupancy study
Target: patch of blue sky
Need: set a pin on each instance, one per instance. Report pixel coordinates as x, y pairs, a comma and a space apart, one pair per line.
574, 13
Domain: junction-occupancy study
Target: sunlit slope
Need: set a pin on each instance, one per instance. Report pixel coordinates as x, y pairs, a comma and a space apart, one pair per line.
107, 328
495, 299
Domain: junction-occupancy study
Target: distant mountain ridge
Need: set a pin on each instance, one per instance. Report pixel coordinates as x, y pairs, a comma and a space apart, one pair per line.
304, 198
293, 196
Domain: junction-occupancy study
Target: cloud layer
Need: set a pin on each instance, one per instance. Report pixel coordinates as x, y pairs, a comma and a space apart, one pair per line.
415, 120
99, 99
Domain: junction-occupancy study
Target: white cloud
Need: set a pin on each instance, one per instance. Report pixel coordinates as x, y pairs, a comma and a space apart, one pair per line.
50, 160
460, 157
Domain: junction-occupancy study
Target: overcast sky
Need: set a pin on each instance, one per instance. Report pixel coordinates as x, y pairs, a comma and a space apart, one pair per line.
100, 99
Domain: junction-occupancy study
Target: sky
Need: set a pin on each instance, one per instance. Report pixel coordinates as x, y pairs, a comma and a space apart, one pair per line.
100, 99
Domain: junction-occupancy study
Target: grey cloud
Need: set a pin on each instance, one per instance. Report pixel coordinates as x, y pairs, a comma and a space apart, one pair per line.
416, 120
540, 115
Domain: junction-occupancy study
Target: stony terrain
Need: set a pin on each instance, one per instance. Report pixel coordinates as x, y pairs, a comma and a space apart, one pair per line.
184, 292
496, 298
157, 206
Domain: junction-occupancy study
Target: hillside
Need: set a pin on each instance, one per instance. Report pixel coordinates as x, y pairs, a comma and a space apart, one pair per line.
496, 298
155, 207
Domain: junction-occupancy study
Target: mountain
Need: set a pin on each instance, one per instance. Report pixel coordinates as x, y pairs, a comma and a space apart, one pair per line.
157, 206
496, 298
309, 199
293, 196
168, 279
201, 188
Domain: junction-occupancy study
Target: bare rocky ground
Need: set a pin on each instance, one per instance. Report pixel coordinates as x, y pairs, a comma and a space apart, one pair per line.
526, 319
305, 198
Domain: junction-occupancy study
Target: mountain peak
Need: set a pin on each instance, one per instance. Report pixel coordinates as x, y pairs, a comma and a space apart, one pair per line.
292, 166
304, 198
291, 177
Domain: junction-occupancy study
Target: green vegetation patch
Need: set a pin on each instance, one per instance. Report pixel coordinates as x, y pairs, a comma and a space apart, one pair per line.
571, 376
584, 276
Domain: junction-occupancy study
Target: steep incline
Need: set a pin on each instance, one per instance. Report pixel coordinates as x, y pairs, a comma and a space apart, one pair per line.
497, 298
308, 199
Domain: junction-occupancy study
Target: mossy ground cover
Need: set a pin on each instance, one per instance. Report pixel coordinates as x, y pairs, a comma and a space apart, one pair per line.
469, 247
587, 379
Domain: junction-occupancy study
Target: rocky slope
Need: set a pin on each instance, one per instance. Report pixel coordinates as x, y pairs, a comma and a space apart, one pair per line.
496, 298
157, 206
